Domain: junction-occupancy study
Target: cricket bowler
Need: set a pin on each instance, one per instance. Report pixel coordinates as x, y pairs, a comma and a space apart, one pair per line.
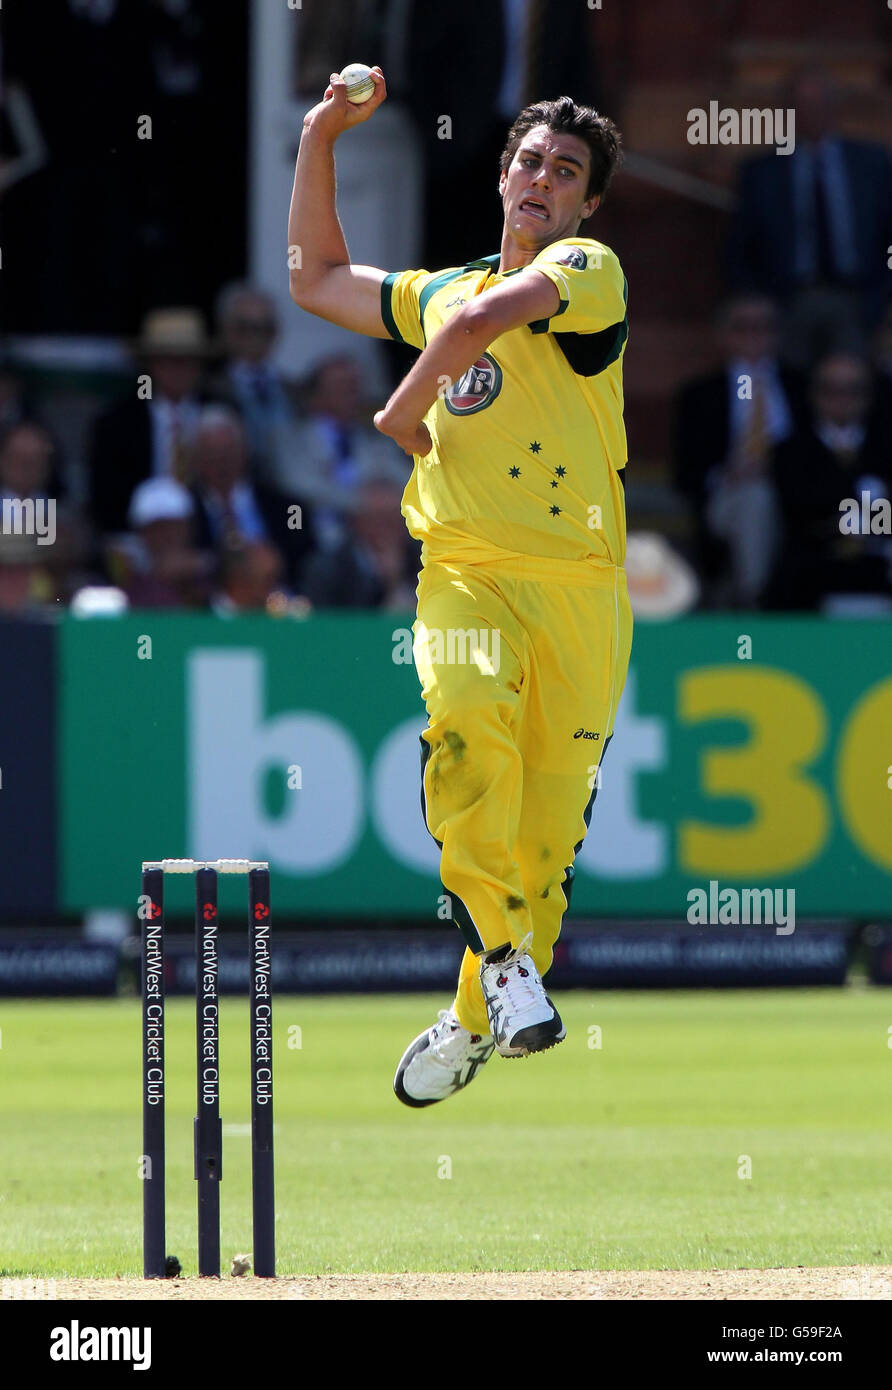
513, 414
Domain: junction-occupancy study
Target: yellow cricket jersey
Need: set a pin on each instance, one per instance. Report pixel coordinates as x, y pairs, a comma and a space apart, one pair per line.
529, 446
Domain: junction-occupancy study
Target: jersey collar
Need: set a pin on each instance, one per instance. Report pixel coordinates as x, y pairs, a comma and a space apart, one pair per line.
490, 263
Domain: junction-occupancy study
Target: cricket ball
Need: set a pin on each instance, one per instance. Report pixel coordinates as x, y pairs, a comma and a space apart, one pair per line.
360, 83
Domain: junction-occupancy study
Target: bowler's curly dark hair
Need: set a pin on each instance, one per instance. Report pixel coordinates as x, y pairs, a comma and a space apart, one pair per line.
599, 133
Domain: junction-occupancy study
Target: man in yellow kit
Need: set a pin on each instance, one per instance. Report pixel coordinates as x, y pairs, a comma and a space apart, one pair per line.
513, 413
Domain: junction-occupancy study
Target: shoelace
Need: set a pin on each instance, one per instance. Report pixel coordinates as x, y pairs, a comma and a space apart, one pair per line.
520, 989
440, 1047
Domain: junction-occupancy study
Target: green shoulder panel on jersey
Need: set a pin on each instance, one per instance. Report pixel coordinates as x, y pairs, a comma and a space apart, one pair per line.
436, 282
541, 325
484, 262
592, 353
439, 281
387, 306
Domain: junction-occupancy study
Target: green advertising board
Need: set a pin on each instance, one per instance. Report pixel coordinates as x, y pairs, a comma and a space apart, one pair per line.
752, 751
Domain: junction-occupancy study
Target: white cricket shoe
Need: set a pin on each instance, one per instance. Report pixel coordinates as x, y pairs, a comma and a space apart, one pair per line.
521, 1015
441, 1061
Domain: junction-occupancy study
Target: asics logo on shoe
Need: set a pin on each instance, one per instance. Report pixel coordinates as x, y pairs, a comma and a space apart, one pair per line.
440, 1061
522, 1017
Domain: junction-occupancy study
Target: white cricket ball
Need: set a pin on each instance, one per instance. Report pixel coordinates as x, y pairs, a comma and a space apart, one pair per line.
360, 83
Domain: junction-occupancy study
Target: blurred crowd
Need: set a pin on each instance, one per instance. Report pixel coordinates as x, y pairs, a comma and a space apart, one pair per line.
767, 475
213, 483
796, 421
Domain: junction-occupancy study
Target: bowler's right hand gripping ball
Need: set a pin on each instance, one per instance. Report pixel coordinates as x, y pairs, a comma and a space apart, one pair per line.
360, 83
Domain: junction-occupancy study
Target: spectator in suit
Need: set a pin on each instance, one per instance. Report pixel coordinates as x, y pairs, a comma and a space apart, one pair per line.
329, 454
726, 425
813, 228
248, 325
840, 454
376, 565
158, 564
232, 510
150, 436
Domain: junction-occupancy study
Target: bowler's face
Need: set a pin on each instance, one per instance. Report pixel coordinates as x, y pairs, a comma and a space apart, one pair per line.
544, 188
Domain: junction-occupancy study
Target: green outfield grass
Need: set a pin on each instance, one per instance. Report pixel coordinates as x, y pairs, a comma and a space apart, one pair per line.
620, 1158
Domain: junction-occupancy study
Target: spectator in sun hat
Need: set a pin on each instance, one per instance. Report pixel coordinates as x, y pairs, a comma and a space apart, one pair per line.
661, 583
145, 436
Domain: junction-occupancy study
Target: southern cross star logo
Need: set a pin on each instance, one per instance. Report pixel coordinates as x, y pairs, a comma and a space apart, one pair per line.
555, 511
560, 470
554, 482
515, 471
535, 446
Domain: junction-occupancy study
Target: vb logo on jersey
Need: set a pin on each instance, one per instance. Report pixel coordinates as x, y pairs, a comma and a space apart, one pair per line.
574, 257
477, 389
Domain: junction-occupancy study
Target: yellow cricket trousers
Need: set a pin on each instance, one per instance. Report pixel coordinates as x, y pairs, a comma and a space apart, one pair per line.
522, 662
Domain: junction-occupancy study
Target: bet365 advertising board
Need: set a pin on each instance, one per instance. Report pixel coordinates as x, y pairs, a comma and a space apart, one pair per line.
748, 753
